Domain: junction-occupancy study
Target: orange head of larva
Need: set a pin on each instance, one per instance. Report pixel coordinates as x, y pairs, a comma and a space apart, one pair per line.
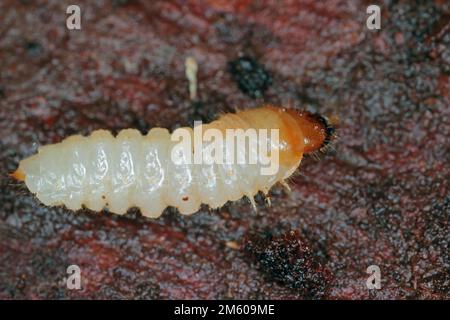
317, 130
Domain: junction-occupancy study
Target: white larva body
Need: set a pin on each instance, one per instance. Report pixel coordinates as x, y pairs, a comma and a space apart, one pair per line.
134, 170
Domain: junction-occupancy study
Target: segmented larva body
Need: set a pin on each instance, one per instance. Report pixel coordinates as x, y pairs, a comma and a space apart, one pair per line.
133, 170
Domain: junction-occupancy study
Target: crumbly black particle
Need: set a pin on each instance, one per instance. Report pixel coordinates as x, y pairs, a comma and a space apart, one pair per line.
251, 77
288, 260
34, 48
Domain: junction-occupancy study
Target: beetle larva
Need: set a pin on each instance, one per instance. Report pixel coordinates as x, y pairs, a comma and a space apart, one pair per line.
102, 171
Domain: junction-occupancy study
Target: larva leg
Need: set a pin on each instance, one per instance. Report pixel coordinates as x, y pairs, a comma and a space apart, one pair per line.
268, 201
253, 203
285, 185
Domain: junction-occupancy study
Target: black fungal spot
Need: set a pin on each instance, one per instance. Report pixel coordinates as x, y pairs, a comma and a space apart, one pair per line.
288, 260
33, 48
251, 77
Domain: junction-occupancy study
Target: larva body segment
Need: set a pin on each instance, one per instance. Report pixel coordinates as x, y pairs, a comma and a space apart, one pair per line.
102, 171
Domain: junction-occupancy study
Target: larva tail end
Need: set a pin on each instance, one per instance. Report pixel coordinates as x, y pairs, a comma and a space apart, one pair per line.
18, 175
